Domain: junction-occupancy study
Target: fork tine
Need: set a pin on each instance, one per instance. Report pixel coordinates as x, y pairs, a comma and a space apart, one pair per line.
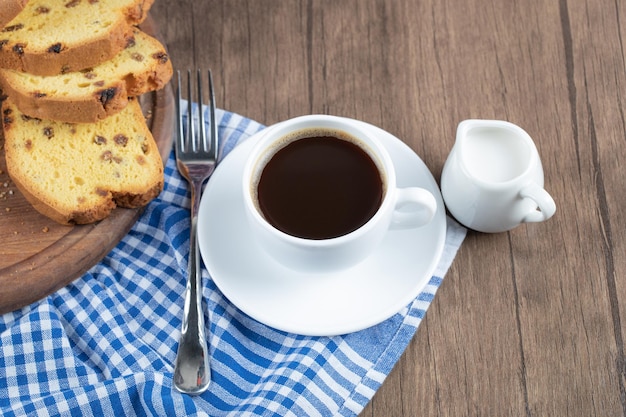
179, 113
193, 138
202, 142
190, 141
214, 136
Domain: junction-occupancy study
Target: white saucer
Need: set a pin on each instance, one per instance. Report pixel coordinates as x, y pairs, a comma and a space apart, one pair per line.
305, 303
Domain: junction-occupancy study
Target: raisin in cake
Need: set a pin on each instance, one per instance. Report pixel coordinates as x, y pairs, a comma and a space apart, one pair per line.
50, 37
78, 173
93, 94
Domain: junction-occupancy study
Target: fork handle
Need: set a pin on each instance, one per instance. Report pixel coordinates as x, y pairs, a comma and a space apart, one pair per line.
192, 373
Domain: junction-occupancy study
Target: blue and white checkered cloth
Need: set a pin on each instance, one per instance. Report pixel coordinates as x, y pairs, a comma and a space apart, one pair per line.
104, 345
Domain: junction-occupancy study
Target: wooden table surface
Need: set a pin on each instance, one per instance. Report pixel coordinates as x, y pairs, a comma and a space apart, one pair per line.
526, 323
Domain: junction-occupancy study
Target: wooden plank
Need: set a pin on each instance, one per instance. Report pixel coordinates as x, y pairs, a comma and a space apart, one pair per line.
526, 323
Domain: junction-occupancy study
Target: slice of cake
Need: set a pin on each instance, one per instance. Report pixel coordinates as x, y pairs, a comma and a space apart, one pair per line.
50, 37
78, 173
93, 94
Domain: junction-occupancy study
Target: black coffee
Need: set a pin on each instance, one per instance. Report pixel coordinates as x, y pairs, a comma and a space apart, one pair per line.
320, 187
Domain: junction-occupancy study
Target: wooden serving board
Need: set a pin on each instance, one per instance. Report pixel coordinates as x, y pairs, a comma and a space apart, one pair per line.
39, 256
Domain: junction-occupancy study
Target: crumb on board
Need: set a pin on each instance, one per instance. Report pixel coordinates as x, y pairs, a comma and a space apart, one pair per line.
5, 188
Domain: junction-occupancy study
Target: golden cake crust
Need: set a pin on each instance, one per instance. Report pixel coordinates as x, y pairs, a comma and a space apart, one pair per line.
50, 37
9, 9
78, 173
95, 93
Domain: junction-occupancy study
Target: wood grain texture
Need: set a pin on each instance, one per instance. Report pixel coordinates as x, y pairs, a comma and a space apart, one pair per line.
526, 323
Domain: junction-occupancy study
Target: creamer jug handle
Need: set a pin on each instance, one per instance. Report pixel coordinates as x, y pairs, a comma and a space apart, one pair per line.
546, 207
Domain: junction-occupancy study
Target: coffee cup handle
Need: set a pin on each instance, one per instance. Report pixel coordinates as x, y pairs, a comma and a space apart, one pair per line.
415, 207
546, 207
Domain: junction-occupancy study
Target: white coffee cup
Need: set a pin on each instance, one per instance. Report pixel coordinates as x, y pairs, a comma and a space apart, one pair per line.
399, 207
493, 179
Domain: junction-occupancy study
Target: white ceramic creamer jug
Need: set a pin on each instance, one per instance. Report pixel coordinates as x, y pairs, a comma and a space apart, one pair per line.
493, 179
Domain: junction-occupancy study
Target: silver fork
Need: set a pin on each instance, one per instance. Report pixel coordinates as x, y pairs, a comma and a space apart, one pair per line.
196, 159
